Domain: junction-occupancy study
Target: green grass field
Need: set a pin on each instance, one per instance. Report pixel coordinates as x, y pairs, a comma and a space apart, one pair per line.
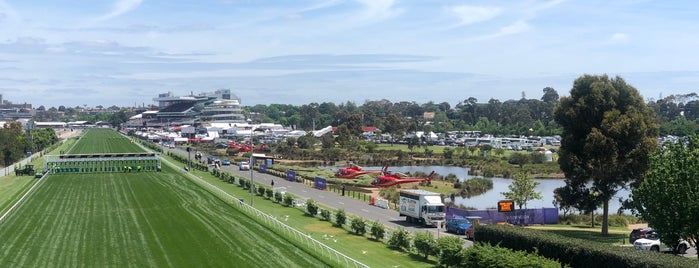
144, 219
103, 140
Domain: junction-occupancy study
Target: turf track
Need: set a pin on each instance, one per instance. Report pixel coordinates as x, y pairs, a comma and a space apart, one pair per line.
98, 140
144, 219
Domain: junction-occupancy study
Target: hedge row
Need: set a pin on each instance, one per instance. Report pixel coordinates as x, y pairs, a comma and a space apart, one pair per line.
576, 252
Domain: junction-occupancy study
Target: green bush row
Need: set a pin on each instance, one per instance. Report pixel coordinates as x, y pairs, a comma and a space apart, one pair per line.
182, 159
486, 255
575, 252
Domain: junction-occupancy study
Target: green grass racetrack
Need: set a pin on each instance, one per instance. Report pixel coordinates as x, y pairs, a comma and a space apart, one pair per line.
146, 219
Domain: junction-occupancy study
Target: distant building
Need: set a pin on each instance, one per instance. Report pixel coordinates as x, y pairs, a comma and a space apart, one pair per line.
217, 106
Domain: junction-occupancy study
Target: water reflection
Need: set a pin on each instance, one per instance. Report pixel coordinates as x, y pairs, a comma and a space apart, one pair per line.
491, 198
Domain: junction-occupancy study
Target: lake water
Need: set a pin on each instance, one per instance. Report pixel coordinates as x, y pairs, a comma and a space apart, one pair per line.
491, 198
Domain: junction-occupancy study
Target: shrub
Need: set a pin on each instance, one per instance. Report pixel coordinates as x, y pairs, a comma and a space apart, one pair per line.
450, 250
278, 197
260, 190
378, 230
325, 214
399, 239
358, 226
485, 255
269, 193
575, 252
288, 199
425, 244
311, 208
340, 217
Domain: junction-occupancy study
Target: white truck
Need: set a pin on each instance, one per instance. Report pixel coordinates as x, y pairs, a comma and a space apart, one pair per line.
421, 206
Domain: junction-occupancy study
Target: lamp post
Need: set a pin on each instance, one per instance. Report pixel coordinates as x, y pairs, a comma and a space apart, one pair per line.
252, 165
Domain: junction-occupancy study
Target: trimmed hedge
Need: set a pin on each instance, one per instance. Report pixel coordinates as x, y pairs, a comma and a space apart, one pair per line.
485, 255
576, 252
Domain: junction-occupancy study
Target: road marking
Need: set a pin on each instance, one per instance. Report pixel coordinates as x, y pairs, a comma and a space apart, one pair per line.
365, 210
341, 203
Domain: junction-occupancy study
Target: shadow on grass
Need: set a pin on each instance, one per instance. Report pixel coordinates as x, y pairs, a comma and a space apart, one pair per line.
421, 258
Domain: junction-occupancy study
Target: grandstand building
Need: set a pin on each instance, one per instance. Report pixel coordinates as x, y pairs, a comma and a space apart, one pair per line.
217, 106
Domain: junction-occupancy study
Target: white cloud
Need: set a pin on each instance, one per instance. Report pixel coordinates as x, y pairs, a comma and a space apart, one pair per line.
119, 8
471, 14
517, 27
378, 9
619, 38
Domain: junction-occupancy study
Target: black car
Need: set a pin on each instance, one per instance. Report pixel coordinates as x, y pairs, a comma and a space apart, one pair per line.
639, 233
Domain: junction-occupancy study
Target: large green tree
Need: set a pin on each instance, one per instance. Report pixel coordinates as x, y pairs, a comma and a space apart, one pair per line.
608, 133
668, 197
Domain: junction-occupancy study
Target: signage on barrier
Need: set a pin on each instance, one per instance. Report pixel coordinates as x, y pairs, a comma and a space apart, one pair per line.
290, 175
506, 205
319, 183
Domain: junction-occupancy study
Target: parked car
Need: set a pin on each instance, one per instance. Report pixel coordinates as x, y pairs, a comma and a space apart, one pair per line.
226, 162
460, 226
639, 233
244, 166
652, 242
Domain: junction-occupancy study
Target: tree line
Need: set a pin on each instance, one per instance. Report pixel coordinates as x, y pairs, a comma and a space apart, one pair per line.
676, 114
15, 142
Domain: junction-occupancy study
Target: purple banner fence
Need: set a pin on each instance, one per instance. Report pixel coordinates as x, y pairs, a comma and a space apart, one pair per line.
319, 183
518, 217
290, 175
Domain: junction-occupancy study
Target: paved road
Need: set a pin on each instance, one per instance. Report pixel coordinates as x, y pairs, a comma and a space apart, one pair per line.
352, 206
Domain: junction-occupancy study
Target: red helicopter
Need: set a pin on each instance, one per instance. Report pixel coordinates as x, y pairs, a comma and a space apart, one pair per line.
244, 148
353, 171
388, 179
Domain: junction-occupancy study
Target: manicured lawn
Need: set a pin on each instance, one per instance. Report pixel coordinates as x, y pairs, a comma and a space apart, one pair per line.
13, 187
361, 248
617, 236
98, 140
138, 220
143, 219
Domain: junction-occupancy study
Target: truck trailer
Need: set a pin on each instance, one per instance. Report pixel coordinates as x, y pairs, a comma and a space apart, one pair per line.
421, 206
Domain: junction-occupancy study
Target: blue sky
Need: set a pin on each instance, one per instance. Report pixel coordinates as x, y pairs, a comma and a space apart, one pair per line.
125, 52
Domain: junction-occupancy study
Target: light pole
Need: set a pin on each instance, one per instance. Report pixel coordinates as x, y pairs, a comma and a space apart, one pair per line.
252, 165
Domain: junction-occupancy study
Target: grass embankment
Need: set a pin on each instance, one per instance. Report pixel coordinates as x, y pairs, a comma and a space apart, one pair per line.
144, 219
361, 248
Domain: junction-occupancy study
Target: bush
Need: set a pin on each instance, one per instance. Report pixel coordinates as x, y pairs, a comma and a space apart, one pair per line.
278, 197
269, 193
378, 230
575, 252
261, 190
311, 208
288, 199
325, 214
340, 217
399, 239
358, 226
450, 250
425, 244
485, 255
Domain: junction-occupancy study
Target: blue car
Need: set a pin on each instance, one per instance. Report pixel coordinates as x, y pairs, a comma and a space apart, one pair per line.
226, 162
460, 226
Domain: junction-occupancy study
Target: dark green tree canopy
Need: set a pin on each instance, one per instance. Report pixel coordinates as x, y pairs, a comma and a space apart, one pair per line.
608, 132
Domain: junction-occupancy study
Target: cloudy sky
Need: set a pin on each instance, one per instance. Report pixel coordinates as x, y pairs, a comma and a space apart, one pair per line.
125, 52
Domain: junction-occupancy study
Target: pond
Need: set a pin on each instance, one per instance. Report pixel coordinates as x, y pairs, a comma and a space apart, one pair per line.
491, 198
